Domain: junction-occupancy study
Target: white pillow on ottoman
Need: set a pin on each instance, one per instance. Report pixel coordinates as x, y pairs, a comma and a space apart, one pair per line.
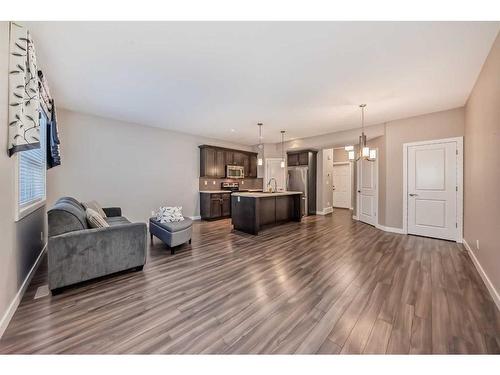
169, 214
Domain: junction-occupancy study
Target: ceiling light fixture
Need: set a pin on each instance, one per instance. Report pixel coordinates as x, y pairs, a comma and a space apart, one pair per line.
282, 164
364, 151
260, 146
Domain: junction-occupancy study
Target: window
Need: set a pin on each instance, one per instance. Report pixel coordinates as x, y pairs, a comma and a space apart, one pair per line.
31, 168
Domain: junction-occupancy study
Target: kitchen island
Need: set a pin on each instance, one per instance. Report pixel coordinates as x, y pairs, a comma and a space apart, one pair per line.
252, 211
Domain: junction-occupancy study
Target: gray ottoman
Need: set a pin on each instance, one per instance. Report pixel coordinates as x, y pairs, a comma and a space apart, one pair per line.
173, 234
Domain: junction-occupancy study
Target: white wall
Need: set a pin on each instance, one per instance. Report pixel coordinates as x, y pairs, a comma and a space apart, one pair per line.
135, 167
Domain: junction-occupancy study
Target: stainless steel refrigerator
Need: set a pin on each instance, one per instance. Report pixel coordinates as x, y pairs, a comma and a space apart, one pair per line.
297, 180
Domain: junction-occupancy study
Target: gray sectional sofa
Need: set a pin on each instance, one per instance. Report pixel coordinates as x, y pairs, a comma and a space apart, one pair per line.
78, 253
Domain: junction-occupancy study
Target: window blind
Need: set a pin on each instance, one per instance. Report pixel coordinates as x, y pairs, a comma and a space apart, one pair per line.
31, 171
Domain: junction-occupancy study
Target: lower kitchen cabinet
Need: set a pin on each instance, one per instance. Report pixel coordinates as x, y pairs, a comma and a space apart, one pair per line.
215, 205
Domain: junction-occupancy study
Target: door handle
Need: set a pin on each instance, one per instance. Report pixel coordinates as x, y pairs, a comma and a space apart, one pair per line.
359, 191
413, 195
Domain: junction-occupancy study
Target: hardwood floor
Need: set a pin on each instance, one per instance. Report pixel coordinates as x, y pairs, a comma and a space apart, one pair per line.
326, 285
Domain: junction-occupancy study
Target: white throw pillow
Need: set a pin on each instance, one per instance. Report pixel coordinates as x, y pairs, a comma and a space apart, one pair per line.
94, 219
169, 214
94, 205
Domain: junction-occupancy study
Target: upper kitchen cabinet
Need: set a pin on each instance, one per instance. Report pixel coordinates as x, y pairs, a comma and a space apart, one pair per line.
213, 161
292, 159
238, 158
298, 158
252, 172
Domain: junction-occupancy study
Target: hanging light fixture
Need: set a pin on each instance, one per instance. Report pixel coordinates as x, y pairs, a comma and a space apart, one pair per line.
282, 149
261, 145
364, 151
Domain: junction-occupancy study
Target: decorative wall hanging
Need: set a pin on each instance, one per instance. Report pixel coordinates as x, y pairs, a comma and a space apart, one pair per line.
48, 107
24, 126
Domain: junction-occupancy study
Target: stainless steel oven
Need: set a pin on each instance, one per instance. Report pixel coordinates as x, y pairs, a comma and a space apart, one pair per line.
235, 171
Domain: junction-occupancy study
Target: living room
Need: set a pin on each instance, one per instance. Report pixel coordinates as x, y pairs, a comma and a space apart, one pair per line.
257, 187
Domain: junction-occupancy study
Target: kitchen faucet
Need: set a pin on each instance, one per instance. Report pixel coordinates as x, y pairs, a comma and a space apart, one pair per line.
275, 184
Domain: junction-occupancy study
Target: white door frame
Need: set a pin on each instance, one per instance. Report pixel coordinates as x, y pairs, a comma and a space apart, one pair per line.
266, 172
350, 180
358, 180
460, 181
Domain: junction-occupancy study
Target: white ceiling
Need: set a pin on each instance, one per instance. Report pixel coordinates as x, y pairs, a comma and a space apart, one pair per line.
218, 79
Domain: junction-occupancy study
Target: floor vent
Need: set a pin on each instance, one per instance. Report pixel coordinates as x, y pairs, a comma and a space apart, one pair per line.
42, 291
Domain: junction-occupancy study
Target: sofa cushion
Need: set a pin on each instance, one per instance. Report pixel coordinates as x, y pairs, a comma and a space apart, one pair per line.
95, 220
174, 226
116, 220
67, 215
94, 206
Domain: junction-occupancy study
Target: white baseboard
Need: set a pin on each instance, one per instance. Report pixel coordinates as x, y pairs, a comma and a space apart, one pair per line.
195, 217
325, 211
390, 229
19, 295
489, 285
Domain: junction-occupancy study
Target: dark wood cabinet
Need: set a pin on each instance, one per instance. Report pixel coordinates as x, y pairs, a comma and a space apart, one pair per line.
215, 205
226, 205
213, 161
303, 158
298, 158
220, 165
215, 208
238, 158
293, 160
252, 172
229, 157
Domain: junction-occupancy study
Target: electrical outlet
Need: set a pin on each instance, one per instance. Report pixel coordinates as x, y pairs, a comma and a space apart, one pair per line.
206, 182
213, 182
477, 244
243, 182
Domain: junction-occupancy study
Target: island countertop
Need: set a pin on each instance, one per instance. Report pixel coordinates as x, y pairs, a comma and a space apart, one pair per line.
265, 195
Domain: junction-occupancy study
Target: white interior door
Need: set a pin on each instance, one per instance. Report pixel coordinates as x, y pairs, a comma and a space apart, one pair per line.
367, 199
274, 170
432, 190
341, 185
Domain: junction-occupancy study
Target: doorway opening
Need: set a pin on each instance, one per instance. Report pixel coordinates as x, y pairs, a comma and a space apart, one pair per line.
342, 185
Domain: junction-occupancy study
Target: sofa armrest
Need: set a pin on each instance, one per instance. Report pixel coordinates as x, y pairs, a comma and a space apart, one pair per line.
83, 255
112, 211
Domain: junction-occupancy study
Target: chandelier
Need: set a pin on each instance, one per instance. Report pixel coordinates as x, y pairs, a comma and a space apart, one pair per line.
364, 152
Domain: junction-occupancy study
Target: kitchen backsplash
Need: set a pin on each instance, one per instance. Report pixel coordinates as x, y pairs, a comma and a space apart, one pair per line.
245, 183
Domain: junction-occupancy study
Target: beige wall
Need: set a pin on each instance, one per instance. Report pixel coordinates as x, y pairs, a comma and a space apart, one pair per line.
482, 167
20, 242
340, 155
437, 125
119, 164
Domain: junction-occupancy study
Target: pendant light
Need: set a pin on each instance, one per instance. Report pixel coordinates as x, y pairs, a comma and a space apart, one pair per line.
260, 146
282, 149
364, 151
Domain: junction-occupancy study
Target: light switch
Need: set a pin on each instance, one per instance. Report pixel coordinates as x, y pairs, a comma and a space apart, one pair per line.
206, 182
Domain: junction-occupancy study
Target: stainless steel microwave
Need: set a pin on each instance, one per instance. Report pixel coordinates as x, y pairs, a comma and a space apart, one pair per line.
235, 171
